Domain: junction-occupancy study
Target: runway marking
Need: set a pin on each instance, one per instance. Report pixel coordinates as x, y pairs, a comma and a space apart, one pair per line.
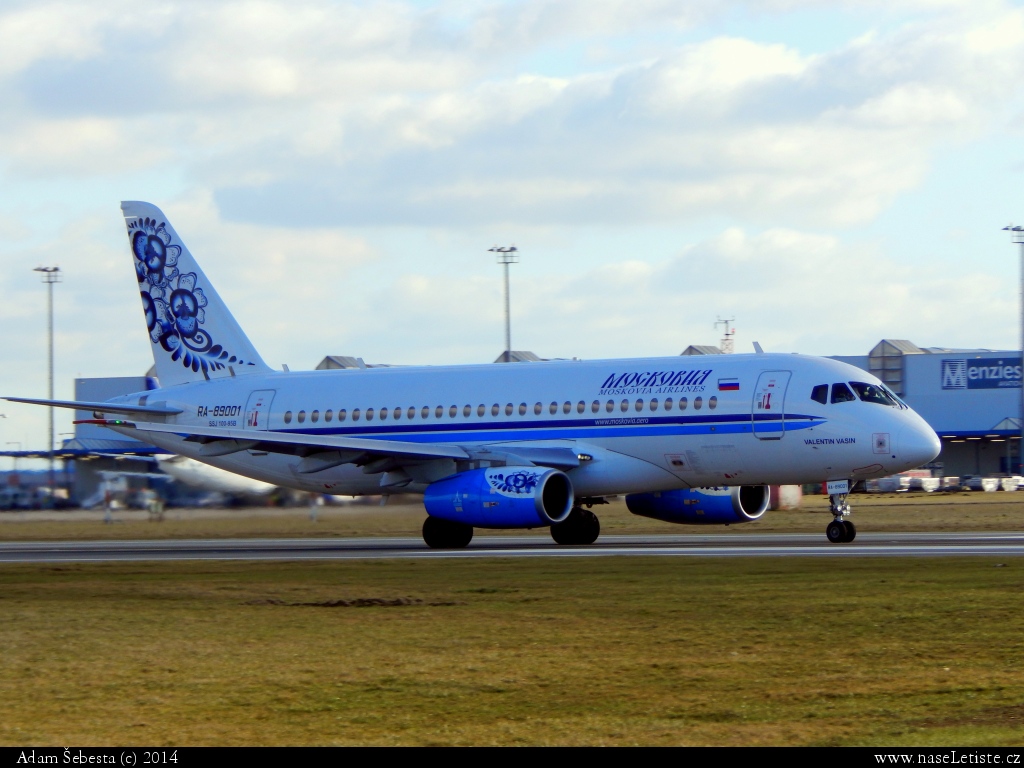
914, 544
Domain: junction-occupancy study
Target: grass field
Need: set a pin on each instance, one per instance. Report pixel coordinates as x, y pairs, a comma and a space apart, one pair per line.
582, 651
609, 651
884, 512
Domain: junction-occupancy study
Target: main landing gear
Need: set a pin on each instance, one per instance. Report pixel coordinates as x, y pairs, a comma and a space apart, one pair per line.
840, 530
580, 527
446, 534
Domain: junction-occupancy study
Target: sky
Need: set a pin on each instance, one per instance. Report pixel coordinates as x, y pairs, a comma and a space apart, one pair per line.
827, 173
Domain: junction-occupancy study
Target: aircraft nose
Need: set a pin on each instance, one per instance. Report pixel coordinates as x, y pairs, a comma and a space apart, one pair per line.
918, 445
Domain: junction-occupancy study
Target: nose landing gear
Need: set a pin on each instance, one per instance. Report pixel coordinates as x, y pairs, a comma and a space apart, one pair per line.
840, 530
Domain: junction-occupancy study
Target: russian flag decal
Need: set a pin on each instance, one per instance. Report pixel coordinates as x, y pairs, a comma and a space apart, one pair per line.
728, 385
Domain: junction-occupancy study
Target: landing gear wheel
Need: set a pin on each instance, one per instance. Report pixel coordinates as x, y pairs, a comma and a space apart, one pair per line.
836, 532
446, 534
580, 527
851, 531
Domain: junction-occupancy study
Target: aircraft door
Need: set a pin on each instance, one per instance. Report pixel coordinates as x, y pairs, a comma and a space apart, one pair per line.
767, 414
257, 410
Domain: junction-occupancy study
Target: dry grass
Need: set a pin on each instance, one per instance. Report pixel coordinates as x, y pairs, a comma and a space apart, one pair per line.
887, 512
609, 651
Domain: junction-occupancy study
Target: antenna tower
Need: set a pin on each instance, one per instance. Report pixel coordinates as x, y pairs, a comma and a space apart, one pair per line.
726, 344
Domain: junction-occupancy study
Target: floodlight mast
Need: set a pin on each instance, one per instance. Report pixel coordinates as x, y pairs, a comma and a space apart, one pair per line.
1017, 235
507, 255
50, 276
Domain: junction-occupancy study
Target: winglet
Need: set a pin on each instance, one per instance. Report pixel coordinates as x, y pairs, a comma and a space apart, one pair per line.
757, 348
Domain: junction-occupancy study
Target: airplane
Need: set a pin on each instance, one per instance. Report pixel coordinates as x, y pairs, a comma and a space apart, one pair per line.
529, 445
206, 477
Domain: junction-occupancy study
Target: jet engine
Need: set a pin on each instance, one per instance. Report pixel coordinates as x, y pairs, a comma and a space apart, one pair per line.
702, 506
502, 497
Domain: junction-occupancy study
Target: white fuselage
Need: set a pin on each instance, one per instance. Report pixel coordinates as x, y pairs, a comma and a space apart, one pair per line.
637, 424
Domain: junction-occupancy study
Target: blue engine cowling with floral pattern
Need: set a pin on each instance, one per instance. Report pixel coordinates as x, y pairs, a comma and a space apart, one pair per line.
702, 506
502, 497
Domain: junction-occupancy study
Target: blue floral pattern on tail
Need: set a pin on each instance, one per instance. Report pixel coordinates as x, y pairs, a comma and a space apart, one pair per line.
173, 304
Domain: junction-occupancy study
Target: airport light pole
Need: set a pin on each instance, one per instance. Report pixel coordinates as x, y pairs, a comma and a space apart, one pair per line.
507, 255
50, 276
1017, 234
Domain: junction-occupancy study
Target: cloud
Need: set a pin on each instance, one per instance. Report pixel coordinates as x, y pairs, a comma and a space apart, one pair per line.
392, 114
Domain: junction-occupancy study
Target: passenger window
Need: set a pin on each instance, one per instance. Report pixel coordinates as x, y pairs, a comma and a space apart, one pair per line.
314, 416
287, 417
439, 412
481, 410
522, 409
537, 408
566, 407
713, 402
383, 414
609, 406
396, 413
553, 409
581, 407
508, 409
328, 414
697, 402
639, 405
668, 403
467, 410
302, 416
682, 403
425, 412
453, 411
654, 404
820, 394
355, 414
411, 413
494, 409
871, 393
369, 414
595, 406
841, 393
342, 413
624, 406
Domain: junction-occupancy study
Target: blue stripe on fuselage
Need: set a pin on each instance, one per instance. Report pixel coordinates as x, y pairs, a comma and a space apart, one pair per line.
576, 429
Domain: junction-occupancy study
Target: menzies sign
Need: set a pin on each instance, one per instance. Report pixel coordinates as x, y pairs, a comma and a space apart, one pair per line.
981, 373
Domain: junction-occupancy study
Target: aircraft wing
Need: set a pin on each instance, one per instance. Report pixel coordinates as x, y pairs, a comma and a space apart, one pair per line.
323, 452
317, 452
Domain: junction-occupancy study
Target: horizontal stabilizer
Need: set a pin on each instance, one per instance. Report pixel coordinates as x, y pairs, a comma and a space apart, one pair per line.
83, 405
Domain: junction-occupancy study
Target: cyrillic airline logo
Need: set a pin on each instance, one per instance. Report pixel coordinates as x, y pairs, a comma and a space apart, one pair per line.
654, 382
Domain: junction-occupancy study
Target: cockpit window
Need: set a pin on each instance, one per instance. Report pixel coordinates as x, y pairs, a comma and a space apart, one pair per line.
820, 394
841, 393
895, 397
871, 393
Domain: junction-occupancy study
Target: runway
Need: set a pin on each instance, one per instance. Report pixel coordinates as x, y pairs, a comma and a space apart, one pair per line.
917, 544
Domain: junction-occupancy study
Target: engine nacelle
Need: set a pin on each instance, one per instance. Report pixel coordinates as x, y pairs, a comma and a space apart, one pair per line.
502, 497
702, 506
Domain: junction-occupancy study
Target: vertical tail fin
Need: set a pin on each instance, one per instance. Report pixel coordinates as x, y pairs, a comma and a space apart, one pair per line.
193, 335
